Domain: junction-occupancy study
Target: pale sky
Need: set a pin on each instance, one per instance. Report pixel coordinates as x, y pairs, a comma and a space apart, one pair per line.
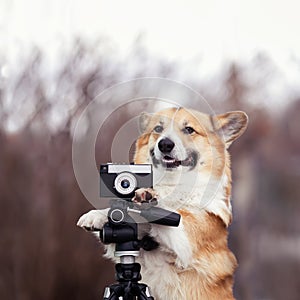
210, 31
176, 29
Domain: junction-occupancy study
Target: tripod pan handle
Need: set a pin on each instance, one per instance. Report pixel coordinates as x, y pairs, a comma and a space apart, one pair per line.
161, 216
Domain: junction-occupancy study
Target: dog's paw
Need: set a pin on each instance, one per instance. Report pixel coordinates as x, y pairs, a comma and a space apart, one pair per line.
93, 220
145, 196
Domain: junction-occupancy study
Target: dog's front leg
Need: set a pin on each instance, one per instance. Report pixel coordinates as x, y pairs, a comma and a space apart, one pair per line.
173, 239
176, 240
94, 219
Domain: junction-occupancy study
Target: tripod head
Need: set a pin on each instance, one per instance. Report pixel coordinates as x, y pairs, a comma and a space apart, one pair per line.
121, 227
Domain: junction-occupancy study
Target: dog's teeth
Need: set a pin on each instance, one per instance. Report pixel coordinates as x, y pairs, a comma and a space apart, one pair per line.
168, 159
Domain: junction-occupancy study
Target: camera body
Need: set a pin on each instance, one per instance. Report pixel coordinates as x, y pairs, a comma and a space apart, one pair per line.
122, 180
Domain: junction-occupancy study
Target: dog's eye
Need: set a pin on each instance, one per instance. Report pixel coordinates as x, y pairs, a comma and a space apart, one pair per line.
158, 129
188, 130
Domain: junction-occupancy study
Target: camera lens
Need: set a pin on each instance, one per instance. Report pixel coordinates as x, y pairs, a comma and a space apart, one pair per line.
125, 184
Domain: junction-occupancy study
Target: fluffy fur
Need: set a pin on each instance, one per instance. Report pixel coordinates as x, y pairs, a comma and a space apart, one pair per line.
192, 176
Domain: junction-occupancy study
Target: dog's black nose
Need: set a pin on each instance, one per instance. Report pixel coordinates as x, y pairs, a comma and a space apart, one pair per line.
165, 145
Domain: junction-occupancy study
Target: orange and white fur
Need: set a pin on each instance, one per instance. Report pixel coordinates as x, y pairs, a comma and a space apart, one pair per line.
191, 168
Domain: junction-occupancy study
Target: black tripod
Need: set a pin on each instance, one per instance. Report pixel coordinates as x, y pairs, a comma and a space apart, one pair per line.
122, 230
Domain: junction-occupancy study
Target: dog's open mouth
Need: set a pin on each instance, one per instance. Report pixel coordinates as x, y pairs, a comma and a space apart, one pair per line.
170, 162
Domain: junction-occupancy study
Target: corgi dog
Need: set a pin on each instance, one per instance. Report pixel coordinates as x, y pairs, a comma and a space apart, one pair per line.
192, 176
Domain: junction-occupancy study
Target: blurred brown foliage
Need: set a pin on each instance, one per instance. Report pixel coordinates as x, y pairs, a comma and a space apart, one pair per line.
43, 255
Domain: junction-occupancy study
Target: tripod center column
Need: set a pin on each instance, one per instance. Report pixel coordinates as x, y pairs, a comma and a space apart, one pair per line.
127, 259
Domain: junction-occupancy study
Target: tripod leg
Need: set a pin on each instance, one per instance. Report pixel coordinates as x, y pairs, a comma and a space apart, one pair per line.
143, 296
112, 292
143, 292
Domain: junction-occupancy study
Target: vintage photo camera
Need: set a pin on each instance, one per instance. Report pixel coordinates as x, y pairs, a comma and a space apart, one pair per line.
121, 180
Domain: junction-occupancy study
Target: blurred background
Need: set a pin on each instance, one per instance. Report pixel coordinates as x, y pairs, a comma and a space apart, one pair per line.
56, 56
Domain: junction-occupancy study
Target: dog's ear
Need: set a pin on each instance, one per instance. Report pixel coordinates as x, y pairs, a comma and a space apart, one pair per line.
144, 120
230, 125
